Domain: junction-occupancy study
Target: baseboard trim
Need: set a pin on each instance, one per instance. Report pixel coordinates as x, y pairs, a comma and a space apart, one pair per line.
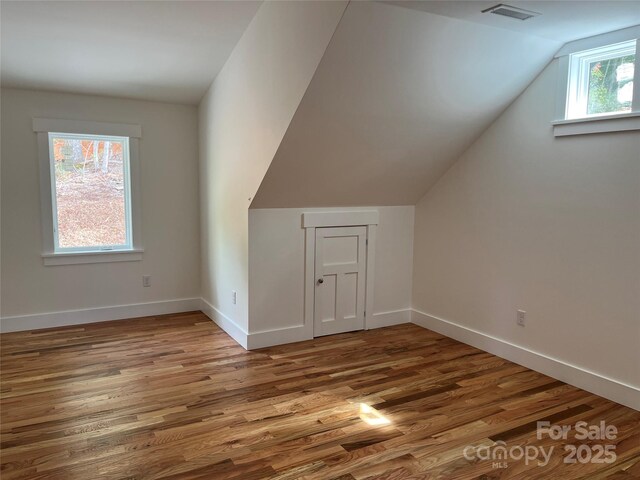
65, 318
299, 333
387, 319
593, 382
579, 377
279, 336
225, 323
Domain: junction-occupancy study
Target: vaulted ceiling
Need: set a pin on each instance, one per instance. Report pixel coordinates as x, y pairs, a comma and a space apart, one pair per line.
154, 50
562, 20
401, 92
398, 96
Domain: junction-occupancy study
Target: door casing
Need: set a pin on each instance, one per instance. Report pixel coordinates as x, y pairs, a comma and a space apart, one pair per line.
316, 219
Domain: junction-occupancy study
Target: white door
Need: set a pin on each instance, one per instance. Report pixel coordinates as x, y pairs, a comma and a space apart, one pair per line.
341, 258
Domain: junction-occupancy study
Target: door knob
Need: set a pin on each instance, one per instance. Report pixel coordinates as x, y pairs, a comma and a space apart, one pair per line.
321, 280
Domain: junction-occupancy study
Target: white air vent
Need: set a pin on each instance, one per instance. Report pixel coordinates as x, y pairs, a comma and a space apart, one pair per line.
511, 12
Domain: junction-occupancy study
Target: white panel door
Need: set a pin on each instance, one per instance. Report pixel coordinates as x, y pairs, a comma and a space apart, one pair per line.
341, 258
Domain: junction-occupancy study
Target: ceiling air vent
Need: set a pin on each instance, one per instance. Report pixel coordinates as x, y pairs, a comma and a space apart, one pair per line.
511, 12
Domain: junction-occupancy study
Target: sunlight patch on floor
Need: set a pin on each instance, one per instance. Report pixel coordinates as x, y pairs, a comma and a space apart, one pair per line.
371, 416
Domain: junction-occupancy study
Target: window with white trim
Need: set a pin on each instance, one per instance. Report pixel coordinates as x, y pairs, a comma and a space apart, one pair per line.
89, 191
601, 81
597, 88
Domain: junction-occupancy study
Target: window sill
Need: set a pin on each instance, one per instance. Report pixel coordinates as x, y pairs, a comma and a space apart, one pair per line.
76, 258
602, 124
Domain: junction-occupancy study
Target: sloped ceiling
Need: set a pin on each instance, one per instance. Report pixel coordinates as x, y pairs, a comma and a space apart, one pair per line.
167, 51
563, 21
398, 96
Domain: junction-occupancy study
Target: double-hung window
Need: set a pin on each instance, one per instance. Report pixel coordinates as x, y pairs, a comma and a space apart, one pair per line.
90, 204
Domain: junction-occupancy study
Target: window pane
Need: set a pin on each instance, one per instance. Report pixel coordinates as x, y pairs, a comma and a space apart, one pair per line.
611, 85
90, 191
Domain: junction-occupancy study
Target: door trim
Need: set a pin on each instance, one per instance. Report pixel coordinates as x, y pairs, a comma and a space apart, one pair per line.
313, 220
340, 219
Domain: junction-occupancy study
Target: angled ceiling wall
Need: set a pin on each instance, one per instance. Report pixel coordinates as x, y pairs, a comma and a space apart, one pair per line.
242, 120
562, 21
398, 96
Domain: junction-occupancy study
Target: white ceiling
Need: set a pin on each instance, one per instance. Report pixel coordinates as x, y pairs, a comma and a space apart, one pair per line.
155, 50
562, 20
398, 96
172, 50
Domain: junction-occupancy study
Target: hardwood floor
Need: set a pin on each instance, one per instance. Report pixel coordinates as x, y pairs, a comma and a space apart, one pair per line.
175, 397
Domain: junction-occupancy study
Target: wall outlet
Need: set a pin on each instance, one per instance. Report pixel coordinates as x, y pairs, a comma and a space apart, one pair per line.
234, 297
146, 280
521, 317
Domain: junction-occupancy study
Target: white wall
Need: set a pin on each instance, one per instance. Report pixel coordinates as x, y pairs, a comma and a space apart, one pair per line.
548, 225
168, 155
243, 118
391, 88
277, 265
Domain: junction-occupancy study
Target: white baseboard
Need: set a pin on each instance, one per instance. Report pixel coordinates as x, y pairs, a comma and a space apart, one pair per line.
279, 336
225, 323
593, 382
387, 319
587, 380
299, 333
101, 314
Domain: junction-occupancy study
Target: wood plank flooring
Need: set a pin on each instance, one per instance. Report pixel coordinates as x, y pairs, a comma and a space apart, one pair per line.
174, 397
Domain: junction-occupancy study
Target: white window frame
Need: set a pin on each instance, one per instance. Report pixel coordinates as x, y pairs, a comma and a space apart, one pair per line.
573, 65
52, 253
580, 72
128, 244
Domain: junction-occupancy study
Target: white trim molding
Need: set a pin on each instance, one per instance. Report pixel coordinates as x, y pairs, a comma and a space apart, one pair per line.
372, 230
313, 220
340, 219
292, 334
601, 124
572, 374
92, 315
300, 333
58, 125
77, 258
249, 341
387, 319
51, 255
228, 325
278, 336
574, 60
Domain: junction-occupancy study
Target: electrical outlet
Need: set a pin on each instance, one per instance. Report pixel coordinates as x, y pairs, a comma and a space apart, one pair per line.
146, 280
234, 297
521, 317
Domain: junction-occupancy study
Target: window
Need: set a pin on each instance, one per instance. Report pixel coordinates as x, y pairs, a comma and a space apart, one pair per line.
89, 191
597, 88
601, 81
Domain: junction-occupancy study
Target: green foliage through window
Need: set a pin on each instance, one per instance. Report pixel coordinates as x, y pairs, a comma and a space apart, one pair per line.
605, 86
